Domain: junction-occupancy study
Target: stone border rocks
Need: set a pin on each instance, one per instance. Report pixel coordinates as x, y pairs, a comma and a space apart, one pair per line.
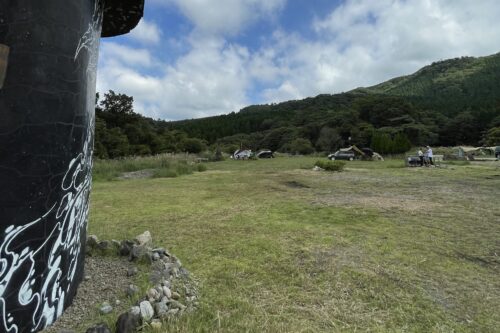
171, 292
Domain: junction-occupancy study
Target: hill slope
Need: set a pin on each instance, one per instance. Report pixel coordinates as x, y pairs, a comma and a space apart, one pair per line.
449, 86
449, 102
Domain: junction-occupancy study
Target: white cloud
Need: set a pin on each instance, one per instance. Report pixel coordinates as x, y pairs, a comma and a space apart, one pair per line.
210, 79
360, 43
365, 42
146, 32
114, 52
226, 16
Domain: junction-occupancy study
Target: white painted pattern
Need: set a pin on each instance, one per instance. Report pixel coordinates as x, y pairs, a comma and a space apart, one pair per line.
70, 214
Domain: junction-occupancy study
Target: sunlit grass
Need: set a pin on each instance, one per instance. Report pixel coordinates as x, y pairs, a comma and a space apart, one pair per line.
277, 247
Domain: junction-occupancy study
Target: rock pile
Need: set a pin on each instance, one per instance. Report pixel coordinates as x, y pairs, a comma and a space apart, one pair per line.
171, 293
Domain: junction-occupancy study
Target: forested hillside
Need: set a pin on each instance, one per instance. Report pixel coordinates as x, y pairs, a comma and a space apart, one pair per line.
449, 86
450, 102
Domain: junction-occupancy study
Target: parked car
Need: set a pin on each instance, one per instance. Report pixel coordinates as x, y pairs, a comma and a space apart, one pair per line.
413, 161
265, 154
342, 155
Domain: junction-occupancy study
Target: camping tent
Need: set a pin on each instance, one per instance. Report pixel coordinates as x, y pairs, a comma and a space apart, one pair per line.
242, 154
472, 153
364, 153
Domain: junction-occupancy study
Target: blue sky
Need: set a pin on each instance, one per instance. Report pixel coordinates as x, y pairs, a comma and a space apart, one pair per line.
196, 58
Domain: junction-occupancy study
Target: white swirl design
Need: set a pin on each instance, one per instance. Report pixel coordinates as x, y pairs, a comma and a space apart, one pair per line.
39, 277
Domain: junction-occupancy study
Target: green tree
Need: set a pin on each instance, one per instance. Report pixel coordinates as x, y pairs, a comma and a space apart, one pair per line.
100, 150
382, 142
492, 137
154, 142
278, 137
362, 135
193, 145
463, 129
139, 150
168, 143
135, 133
329, 140
401, 144
116, 143
496, 121
117, 103
298, 146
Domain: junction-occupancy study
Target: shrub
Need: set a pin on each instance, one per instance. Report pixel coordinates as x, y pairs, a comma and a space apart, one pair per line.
218, 155
183, 169
330, 165
492, 137
212, 156
201, 167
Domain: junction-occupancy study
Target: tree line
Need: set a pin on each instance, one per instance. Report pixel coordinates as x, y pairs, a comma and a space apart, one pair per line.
387, 124
119, 131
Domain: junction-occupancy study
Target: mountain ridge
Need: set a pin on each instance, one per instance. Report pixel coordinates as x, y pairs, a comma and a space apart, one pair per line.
445, 79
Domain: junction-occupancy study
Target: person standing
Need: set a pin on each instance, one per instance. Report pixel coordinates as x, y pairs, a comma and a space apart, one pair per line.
420, 154
430, 155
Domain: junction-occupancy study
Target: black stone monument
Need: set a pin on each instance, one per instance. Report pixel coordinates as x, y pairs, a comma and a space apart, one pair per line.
48, 62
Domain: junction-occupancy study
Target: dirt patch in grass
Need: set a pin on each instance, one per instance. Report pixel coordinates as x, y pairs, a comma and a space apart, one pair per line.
336, 258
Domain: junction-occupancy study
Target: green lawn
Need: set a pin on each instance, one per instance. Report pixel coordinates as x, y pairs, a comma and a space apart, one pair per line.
277, 247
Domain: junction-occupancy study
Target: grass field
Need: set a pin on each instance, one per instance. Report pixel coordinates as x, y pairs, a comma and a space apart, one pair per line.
277, 247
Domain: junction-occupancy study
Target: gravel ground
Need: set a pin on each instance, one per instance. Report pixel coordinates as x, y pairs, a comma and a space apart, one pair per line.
106, 281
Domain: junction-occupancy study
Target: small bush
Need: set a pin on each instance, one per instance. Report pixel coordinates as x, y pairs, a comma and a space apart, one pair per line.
201, 167
164, 163
212, 156
330, 165
218, 155
183, 169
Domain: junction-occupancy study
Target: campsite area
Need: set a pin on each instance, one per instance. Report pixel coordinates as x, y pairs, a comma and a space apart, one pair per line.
277, 247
